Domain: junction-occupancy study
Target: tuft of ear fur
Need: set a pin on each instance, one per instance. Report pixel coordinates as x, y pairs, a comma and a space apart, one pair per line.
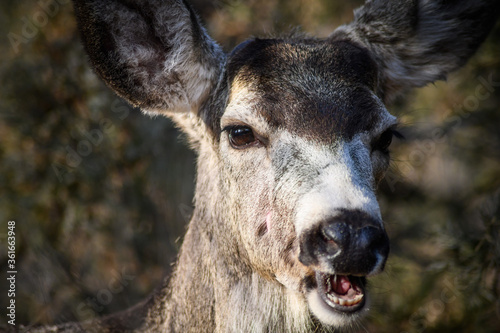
415, 42
153, 53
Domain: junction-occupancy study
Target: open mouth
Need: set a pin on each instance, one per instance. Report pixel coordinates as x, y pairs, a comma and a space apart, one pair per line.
342, 293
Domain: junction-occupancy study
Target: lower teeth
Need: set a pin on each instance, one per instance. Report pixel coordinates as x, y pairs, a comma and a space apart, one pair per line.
345, 302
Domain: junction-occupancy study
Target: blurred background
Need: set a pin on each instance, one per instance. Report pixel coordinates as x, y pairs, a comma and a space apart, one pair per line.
101, 194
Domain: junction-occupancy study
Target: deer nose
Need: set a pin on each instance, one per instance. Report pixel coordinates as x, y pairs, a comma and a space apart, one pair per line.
351, 243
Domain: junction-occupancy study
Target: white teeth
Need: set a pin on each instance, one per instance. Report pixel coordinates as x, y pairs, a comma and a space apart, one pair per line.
345, 302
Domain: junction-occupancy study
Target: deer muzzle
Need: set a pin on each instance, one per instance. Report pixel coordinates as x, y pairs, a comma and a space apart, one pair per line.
351, 243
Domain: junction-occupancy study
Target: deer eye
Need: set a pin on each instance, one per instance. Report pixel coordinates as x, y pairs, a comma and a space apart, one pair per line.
385, 140
241, 137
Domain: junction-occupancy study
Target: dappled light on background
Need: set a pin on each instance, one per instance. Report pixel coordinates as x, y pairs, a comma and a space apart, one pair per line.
101, 193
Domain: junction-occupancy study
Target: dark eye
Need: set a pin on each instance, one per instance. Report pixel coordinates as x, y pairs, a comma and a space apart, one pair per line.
241, 137
385, 140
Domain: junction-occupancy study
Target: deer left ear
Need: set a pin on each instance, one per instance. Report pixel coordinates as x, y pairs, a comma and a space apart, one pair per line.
415, 42
153, 53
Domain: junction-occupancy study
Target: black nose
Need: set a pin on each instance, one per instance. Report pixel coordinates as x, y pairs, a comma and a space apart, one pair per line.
351, 243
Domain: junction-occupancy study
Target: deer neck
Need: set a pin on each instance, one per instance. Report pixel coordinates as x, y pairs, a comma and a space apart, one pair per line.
206, 293
209, 264
213, 288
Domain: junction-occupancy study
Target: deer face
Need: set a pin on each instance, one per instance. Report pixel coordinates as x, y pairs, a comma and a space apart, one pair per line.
304, 141
293, 135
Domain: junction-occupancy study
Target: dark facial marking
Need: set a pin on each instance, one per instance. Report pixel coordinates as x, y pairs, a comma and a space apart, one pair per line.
262, 229
318, 89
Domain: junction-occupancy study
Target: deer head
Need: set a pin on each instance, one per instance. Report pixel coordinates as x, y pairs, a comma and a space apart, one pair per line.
292, 134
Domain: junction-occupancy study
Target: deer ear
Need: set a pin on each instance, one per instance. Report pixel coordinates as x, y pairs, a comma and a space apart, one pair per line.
153, 53
415, 42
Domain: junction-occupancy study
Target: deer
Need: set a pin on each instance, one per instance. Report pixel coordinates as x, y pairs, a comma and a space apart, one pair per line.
292, 136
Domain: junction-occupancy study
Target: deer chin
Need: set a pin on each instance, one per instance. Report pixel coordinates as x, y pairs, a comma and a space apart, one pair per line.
338, 299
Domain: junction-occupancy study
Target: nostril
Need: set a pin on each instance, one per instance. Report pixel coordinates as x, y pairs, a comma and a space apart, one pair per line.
324, 241
369, 237
329, 246
373, 239
337, 233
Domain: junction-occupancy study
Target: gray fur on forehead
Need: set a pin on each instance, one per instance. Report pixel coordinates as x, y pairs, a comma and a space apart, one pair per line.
319, 89
291, 59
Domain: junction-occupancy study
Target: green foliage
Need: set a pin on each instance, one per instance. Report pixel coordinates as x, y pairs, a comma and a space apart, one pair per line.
101, 194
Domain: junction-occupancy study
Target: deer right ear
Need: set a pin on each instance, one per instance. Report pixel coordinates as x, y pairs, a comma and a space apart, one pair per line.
415, 42
153, 53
